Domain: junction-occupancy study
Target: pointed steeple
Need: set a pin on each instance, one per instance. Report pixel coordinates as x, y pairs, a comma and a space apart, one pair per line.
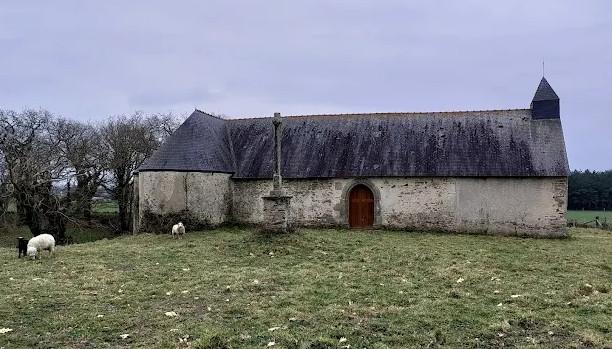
544, 92
545, 103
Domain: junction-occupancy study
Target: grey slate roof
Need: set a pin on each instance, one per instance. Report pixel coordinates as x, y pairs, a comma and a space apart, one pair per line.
544, 92
456, 144
201, 143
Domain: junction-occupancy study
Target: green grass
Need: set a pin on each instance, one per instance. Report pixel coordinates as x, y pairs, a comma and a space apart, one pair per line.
588, 216
105, 207
110, 206
11, 207
309, 289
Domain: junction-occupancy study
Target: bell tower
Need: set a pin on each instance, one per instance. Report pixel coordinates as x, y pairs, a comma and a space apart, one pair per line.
545, 103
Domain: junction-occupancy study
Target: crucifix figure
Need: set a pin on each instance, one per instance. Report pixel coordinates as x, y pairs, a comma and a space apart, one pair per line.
277, 122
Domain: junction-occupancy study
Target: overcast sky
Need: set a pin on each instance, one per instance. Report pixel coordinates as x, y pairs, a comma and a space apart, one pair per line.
90, 59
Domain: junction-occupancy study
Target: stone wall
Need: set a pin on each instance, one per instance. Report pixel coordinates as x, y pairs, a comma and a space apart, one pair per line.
276, 212
135, 214
514, 206
205, 197
313, 202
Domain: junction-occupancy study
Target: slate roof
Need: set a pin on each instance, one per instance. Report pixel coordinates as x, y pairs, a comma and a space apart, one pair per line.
504, 143
201, 143
544, 92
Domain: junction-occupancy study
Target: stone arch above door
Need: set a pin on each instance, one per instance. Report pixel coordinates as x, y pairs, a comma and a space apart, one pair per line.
345, 204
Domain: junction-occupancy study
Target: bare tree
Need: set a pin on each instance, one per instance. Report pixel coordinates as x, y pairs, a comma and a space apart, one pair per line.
129, 140
82, 147
5, 190
34, 165
163, 124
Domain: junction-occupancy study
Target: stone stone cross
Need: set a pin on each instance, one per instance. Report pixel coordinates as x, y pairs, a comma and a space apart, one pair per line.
278, 180
277, 205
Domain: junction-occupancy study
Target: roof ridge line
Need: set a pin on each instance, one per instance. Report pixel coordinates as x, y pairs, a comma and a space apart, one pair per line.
209, 114
385, 113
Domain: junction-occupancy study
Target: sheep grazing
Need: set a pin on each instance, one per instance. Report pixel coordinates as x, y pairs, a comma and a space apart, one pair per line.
22, 246
39, 243
178, 230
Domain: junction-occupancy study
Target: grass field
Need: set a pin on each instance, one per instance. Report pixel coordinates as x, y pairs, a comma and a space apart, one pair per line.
235, 288
588, 216
105, 207
110, 206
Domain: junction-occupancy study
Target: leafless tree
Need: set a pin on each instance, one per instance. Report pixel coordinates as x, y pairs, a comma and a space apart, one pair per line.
40, 152
5, 190
163, 124
82, 146
128, 141
34, 164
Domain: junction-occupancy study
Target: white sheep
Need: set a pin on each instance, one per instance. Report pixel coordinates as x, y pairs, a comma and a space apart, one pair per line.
178, 230
39, 243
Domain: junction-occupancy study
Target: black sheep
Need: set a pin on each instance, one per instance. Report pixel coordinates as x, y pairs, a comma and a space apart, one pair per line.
22, 245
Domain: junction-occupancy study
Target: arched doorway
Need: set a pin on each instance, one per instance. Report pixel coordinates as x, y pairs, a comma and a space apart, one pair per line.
361, 207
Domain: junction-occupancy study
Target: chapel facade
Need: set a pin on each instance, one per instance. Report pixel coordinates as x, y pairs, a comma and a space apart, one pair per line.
493, 171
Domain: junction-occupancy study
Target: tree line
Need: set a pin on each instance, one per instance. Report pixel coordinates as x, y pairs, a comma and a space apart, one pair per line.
590, 190
52, 167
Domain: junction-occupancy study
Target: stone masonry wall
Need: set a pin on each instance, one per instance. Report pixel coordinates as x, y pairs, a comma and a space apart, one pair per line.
205, 196
313, 202
513, 206
527, 206
276, 213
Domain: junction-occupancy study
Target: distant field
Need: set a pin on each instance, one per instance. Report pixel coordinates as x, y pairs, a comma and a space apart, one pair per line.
11, 207
106, 207
99, 207
587, 216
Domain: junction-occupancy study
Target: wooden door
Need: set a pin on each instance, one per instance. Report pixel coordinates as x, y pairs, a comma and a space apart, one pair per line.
361, 207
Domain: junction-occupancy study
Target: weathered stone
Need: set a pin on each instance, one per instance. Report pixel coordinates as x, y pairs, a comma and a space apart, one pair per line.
277, 205
276, 213
511, 206
136, 204
206, 196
